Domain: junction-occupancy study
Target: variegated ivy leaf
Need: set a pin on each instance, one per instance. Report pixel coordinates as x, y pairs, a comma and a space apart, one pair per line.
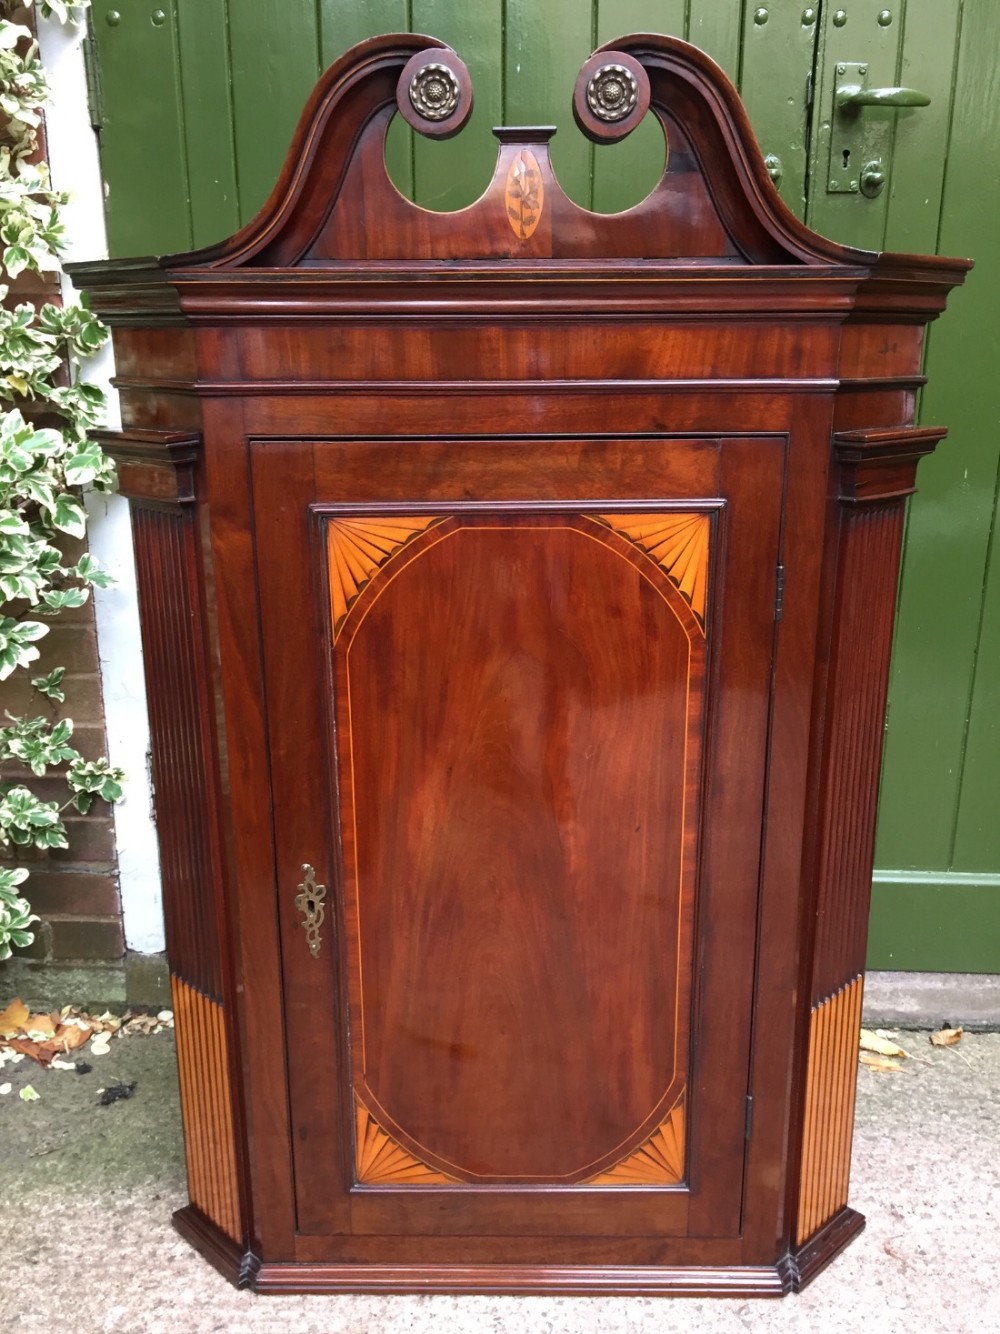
83, 464
69, 516
51, 685
40, 470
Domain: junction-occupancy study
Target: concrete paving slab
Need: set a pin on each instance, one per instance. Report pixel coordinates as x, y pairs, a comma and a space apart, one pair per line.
913, 1000
137, 979
87, 1192
933, 1000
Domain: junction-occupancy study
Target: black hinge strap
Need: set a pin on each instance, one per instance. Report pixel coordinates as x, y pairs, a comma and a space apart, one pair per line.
95, 97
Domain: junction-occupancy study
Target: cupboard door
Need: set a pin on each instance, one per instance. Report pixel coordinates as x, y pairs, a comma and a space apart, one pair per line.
518, 734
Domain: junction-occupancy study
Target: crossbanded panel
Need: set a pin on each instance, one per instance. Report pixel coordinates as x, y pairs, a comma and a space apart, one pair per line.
519, 703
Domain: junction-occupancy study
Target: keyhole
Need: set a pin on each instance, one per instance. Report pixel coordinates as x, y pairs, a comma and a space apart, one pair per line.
847, 157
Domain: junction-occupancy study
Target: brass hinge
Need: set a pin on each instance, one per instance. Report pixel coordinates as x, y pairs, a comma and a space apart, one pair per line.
95, 95
748, 1126
779, 592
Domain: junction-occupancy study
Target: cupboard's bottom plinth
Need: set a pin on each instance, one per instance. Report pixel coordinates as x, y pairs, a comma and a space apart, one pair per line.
526, 1280
813, 1256
790, 1274
226, 1255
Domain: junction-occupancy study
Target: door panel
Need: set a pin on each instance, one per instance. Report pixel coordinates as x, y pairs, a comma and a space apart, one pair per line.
844, 142
500, 745
777, 54
908, 144
928, 52
508, 743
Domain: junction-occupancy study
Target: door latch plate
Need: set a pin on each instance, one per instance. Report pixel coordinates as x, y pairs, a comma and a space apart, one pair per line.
849, 136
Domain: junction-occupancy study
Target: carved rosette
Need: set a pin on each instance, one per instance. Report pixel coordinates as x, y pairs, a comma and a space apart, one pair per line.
434, 92
612, 93
611, 96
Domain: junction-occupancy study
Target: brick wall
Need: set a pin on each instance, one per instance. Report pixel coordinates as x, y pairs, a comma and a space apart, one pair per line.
73, 890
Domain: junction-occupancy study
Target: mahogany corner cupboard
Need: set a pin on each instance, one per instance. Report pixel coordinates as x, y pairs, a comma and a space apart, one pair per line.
517, 589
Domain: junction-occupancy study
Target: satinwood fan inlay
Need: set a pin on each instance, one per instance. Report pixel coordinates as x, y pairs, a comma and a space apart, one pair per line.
678, 543
381, 1161
658, 1162
357, 548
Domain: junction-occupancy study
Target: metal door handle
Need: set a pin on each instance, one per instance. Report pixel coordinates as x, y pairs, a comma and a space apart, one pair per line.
872, 179
851, 96
856, 139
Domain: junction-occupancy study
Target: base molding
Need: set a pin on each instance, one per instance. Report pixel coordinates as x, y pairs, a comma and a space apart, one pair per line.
245, 1270
232, 1262
526, 1280
803, 1264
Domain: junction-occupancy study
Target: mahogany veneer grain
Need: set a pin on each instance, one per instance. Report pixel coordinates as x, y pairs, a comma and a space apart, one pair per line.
517, 590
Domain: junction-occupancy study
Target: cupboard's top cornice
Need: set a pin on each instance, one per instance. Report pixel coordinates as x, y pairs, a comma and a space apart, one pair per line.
336, 237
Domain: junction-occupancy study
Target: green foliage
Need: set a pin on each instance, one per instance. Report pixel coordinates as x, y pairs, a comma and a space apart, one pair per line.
45, 458
15, 915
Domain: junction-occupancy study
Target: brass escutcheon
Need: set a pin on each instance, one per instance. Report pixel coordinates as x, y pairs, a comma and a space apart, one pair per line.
309, 901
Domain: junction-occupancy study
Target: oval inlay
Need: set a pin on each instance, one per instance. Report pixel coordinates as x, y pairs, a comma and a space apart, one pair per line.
524, 196
521, 792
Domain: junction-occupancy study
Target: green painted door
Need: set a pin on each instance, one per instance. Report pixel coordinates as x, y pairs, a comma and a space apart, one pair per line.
196, 101
936, 897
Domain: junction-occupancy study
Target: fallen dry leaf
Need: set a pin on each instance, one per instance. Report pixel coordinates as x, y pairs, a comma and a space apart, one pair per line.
42, 1036
947, 1037
29, 1048
68, 1039
883, 1064
141, 1023
45, 1036
12, 1019
41, 1024
881, 1046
